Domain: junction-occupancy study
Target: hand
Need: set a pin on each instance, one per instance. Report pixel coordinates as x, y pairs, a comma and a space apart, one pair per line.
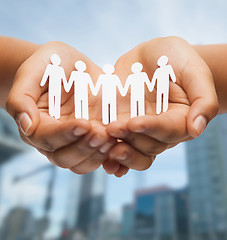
192, 104
79, 145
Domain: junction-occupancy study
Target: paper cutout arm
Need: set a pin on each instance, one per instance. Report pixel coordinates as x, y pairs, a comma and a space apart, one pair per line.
97, 86
120, 87
45, 76
65, 83
148, 83
172, 74
153, 81
69, 83
127, 85
91, 85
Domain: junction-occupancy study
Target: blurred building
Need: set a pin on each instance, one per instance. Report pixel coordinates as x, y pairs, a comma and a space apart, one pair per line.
207, 164
161, 213
18, 225
72, 206
86, 203
10, 143
127, 223
109, 227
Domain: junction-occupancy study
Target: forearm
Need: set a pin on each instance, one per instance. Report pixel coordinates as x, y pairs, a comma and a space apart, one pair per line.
216, 58
13, 53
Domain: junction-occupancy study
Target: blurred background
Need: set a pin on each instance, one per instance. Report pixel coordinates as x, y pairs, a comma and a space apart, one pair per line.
183, 196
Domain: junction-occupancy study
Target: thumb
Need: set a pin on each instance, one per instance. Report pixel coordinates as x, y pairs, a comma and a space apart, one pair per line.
21, 103
202, 96
201, 112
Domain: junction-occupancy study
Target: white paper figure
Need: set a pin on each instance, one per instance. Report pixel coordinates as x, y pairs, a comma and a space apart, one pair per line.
109, 83
136, 81
162, 76
81, 80
56, 75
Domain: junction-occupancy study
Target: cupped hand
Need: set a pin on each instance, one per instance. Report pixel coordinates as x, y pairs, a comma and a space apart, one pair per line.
192, 104
79, 145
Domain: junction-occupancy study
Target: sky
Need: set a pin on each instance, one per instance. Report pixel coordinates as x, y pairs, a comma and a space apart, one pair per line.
104, 30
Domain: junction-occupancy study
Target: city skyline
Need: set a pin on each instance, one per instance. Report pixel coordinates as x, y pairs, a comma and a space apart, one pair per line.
106, 30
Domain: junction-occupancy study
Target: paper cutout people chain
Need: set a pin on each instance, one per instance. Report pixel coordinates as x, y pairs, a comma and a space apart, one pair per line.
109, 83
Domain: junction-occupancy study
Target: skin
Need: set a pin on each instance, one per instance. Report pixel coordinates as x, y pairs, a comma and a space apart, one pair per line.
215, 58
135, 142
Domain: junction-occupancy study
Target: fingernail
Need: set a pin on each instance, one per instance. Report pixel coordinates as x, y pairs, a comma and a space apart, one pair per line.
139, 129
24, 122
121, 157
96, 141
78, 131
119, 134
200, 124
106, 147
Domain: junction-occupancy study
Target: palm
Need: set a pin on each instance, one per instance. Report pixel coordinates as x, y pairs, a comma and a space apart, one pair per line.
67, 99
177, 111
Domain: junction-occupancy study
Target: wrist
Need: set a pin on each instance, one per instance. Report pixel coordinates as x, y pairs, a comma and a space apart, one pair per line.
13, 53
215, 58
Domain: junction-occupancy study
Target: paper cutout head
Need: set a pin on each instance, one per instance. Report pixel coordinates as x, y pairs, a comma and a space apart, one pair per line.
162, 61
80, 66
137, 67
108, 69
55, 60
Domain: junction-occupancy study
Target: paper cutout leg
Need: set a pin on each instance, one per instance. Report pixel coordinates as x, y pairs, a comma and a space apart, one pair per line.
113, 112
78, 109
165, 100
57, 106
105, 112
133, 108
159, 103
81, 109
141, 107
85, 112
51, 102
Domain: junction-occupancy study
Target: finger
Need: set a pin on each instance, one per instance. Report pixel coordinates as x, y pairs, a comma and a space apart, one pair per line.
75, 153
111, 166
21, 103
95, 160
90, 164
121, 171
168, 127
199, 85
141, 142
202, 111
129, 157
52, 134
